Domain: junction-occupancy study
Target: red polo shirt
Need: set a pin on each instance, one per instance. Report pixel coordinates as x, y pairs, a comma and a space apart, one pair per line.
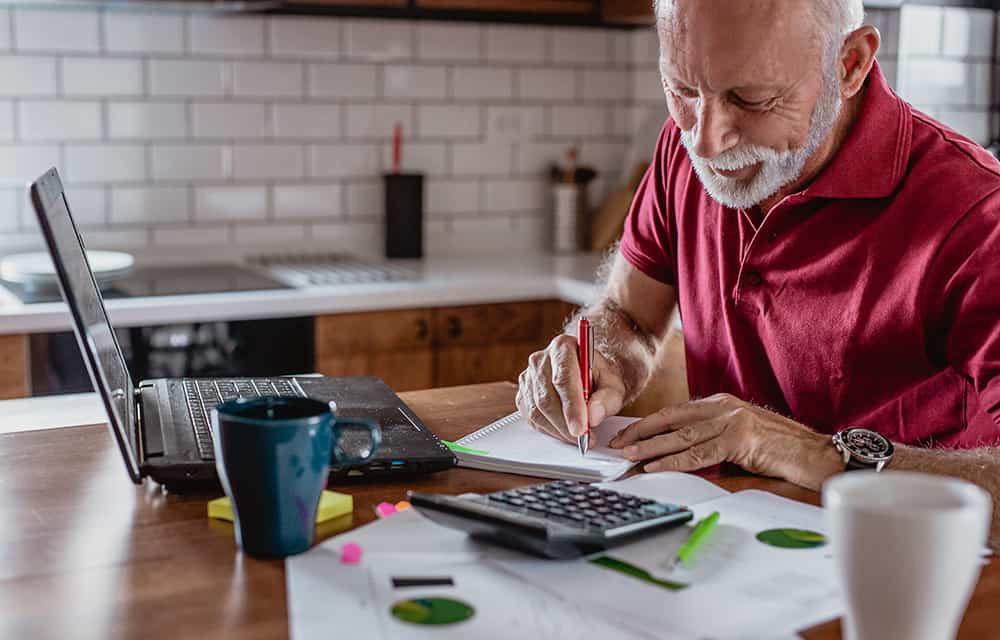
871, 297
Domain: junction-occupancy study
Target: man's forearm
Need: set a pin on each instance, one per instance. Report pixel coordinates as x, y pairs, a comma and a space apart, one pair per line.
620, 339
979, 466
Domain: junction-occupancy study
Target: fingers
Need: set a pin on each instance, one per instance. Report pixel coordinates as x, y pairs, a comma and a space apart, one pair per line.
675, 416
726, 443
567, 381
529, 410
705, 454
547, 401
676, 441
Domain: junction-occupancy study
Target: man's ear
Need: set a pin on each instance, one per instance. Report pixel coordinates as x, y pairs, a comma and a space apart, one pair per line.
856, 59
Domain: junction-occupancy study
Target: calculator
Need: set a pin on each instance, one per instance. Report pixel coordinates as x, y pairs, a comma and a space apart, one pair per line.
561, 519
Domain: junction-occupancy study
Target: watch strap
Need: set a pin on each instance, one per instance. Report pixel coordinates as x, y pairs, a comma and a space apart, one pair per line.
854, 465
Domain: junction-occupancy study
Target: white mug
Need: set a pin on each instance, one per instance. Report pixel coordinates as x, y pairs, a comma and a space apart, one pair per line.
907, 548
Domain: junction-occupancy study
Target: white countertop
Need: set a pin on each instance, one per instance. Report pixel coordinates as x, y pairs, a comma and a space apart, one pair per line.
441, 282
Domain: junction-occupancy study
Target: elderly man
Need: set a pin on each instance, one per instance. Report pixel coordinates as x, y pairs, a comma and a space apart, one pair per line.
835, 255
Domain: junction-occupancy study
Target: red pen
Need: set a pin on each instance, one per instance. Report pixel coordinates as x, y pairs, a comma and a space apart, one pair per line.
585, 352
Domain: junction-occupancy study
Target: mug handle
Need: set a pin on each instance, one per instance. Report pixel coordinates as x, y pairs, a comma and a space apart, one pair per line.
374, 432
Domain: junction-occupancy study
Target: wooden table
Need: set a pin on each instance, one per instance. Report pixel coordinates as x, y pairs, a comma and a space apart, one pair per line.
86, 554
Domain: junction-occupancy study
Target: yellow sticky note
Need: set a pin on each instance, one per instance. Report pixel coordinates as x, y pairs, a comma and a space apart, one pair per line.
331, 505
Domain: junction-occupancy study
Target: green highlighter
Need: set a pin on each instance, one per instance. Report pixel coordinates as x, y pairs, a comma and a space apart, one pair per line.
699, 535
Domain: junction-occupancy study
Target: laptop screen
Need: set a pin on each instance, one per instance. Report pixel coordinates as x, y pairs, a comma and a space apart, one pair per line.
98, 343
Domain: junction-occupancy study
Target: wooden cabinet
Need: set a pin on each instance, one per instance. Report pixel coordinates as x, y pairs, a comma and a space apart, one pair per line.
627, 12
423, 348
394, 345
487, 343
14, 369
513, 6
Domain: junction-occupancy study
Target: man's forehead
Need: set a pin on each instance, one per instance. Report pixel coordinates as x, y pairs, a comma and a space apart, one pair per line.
739, 43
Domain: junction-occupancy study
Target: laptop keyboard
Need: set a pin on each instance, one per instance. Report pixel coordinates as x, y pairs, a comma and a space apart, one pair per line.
203, 395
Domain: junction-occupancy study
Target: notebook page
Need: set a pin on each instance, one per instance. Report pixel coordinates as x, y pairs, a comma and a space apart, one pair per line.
518, 443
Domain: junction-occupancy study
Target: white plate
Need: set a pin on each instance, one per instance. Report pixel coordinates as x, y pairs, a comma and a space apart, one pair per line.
37, 269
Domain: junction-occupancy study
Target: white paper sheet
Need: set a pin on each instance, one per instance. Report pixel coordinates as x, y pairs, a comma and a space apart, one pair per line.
512, 446
329, 599
668, 486
740, 587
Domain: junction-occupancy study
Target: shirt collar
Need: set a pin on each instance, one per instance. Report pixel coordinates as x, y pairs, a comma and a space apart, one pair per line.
872, 160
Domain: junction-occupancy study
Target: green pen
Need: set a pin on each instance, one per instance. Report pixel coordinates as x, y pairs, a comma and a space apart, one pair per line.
698, 536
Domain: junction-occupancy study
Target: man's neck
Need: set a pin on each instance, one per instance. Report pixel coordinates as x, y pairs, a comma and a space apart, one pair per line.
819, 160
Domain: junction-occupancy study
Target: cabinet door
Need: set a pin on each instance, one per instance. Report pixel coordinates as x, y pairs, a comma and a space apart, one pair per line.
518, 322
405, 370
14, 369
353, 333
393, 345
474, 365
462, 326
513, 6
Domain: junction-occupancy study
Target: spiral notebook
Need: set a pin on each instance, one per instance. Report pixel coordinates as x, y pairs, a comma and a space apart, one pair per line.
510, 445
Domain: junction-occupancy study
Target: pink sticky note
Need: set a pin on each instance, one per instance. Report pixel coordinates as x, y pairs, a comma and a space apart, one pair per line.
350, 553
384, 509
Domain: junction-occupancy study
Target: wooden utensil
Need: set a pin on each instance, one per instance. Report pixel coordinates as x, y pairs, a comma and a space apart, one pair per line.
609, 220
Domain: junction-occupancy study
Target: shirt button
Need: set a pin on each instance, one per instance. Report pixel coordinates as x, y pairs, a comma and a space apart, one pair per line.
773, 236
754, 279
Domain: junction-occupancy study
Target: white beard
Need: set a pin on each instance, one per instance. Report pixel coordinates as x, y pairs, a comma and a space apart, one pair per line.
778, 168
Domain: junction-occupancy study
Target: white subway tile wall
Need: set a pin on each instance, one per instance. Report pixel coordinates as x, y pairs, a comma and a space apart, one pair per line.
176, 130
193, 129
947, 66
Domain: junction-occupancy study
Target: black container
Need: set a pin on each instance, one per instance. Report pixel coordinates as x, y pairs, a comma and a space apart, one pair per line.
404, 215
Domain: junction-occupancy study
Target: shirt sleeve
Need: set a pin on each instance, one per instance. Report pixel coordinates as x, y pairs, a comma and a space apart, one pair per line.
648, 242
962, 298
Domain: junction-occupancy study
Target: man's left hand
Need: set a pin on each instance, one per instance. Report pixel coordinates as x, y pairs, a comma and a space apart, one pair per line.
722, 428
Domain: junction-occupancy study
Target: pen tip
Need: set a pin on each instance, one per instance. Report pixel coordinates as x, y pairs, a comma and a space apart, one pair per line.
583, 442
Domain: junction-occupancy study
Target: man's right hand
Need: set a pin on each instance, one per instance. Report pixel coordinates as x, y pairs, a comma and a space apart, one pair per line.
550, 391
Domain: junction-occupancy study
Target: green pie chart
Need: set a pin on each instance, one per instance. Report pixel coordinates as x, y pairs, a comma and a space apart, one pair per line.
432, 611
792, 538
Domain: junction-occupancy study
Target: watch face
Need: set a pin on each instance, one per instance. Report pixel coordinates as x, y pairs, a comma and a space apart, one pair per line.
867, 445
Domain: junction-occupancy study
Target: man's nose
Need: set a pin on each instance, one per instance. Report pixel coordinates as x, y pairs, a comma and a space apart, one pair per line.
716, 129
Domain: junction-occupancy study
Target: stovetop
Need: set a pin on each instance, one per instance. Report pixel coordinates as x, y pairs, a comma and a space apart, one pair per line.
164, 281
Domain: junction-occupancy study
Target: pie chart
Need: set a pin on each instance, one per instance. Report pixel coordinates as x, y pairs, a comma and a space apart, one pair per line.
432, 611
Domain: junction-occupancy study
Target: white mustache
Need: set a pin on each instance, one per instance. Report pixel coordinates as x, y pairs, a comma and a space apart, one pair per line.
740, 157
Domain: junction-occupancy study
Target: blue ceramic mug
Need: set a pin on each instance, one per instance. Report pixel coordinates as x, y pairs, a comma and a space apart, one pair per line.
273, 455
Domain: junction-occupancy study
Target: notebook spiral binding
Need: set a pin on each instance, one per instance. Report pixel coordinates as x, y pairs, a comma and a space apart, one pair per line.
491, 428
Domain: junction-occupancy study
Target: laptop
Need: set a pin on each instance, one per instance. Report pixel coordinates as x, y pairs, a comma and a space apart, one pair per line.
161, 426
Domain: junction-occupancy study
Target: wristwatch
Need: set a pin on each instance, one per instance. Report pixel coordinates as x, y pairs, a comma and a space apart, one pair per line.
863, 448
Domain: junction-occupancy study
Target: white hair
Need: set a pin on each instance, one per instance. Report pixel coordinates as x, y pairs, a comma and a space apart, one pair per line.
837, 17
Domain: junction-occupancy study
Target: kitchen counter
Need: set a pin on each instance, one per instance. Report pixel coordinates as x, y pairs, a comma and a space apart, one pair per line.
440, 282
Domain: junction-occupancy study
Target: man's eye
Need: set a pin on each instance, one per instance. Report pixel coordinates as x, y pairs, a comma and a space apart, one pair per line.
753, 104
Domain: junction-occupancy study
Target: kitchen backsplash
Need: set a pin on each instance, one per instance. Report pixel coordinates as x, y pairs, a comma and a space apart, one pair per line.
177, 133
949, 65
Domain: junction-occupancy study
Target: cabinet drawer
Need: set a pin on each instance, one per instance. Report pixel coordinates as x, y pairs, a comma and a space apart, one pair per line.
348, 334
457, 326
518, 322
490, 324
477, 364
